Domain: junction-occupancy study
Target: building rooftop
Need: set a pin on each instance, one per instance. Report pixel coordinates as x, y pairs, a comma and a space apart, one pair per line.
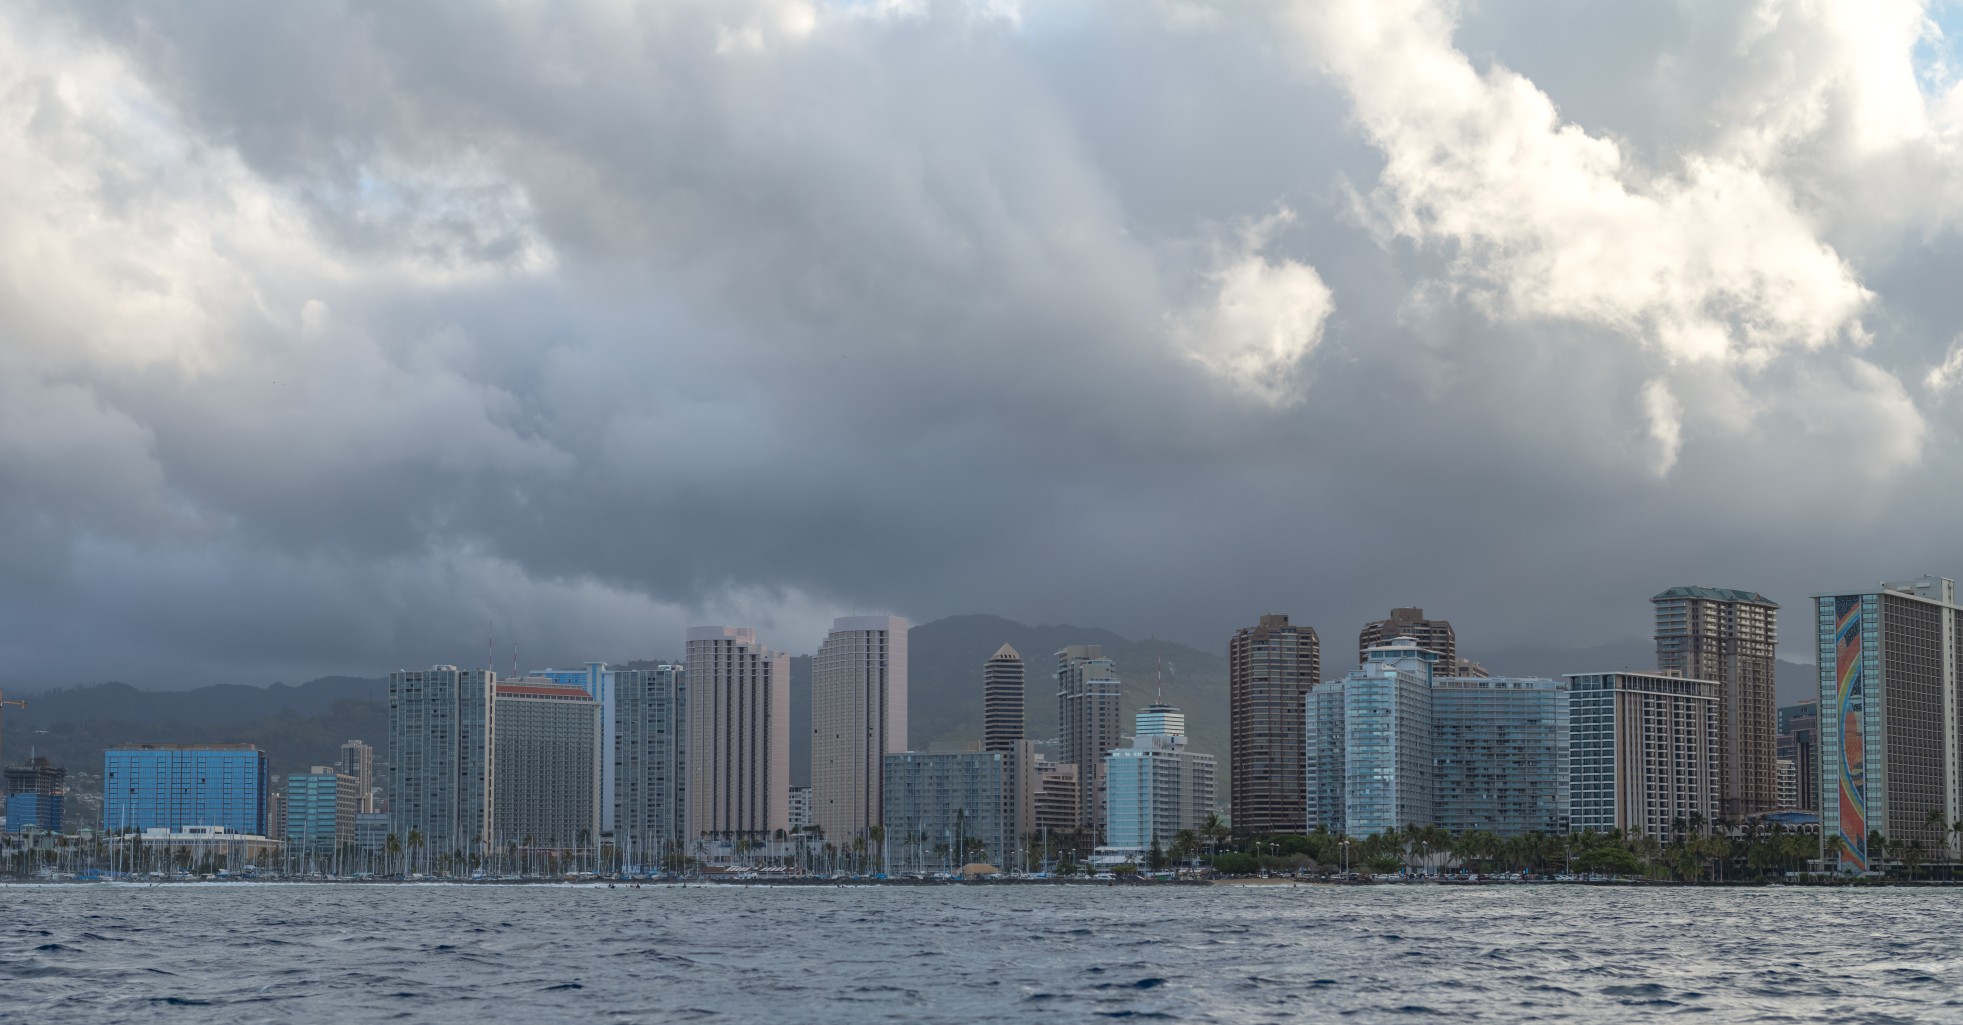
1716, 594
1005, 652
539, 689
183, 747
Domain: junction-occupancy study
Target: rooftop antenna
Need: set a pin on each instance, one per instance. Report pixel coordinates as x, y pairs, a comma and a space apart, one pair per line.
1162, 680
490, 663
514, 658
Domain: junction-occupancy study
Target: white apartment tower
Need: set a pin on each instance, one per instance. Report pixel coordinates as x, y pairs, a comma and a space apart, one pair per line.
739, 739
858, 717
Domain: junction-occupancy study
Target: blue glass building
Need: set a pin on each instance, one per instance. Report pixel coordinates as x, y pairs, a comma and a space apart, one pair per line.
1500, 745
34, 811
1393, 745
172, 786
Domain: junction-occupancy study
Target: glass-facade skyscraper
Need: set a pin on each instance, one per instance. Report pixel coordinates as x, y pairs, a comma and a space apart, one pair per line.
1500, 745
1382, 713
1391, 745
173, 786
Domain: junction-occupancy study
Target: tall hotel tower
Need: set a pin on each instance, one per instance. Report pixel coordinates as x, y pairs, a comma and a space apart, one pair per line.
1888, 717
739, 738
1003, 687
858, 717
1087, 690
1731, 638
1271, 667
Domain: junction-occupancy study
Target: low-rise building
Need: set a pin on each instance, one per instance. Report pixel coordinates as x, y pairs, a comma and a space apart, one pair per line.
320, 810
174, 786
943, 811
36, 793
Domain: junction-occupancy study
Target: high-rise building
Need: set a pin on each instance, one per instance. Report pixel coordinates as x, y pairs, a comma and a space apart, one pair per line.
650, 753
1799, 743
1271, 667
441, 753
1003, 694
1730, 637
1500, 748
800, 808
36, 794
1433, 635
173, 786
358, 760
1156, 787
1087, 697
1889, 707
320, 808
1055, 813
601, 684
858, 717
945, 810
1382, 713
739, 740
276, 815
1788, 783
1643, 753
547, 766
1325, 760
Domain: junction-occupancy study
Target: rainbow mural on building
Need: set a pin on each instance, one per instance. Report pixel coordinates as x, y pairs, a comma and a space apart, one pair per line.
1849, 702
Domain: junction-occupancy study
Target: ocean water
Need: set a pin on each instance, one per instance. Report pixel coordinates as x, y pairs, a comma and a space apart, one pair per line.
475, 954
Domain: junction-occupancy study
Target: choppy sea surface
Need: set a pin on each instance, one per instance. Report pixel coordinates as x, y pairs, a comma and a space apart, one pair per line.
476, 954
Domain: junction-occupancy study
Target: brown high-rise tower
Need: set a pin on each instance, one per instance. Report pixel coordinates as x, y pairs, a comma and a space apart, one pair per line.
1731, 637
1271, 668
1431, 635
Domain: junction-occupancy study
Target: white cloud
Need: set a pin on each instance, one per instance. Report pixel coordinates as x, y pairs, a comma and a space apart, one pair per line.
1666, 427
1945, 376
1263, 318
1544, 220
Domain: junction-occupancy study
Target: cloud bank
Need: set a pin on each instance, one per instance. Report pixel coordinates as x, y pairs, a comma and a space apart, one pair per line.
334, 339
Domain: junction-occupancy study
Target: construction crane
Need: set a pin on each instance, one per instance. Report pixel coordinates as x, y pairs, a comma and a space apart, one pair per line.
4, 703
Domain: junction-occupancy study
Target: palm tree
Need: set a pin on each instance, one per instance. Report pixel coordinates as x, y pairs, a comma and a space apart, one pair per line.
393, 845
877, 835
1215, 831
415, 844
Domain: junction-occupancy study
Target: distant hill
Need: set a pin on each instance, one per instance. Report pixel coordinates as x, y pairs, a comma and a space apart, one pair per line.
944, 671
297, 727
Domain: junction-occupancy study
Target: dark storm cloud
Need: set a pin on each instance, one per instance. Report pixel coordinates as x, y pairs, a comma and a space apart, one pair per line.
371, 329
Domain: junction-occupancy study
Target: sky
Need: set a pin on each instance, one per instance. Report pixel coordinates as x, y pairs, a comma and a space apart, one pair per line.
347, 337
